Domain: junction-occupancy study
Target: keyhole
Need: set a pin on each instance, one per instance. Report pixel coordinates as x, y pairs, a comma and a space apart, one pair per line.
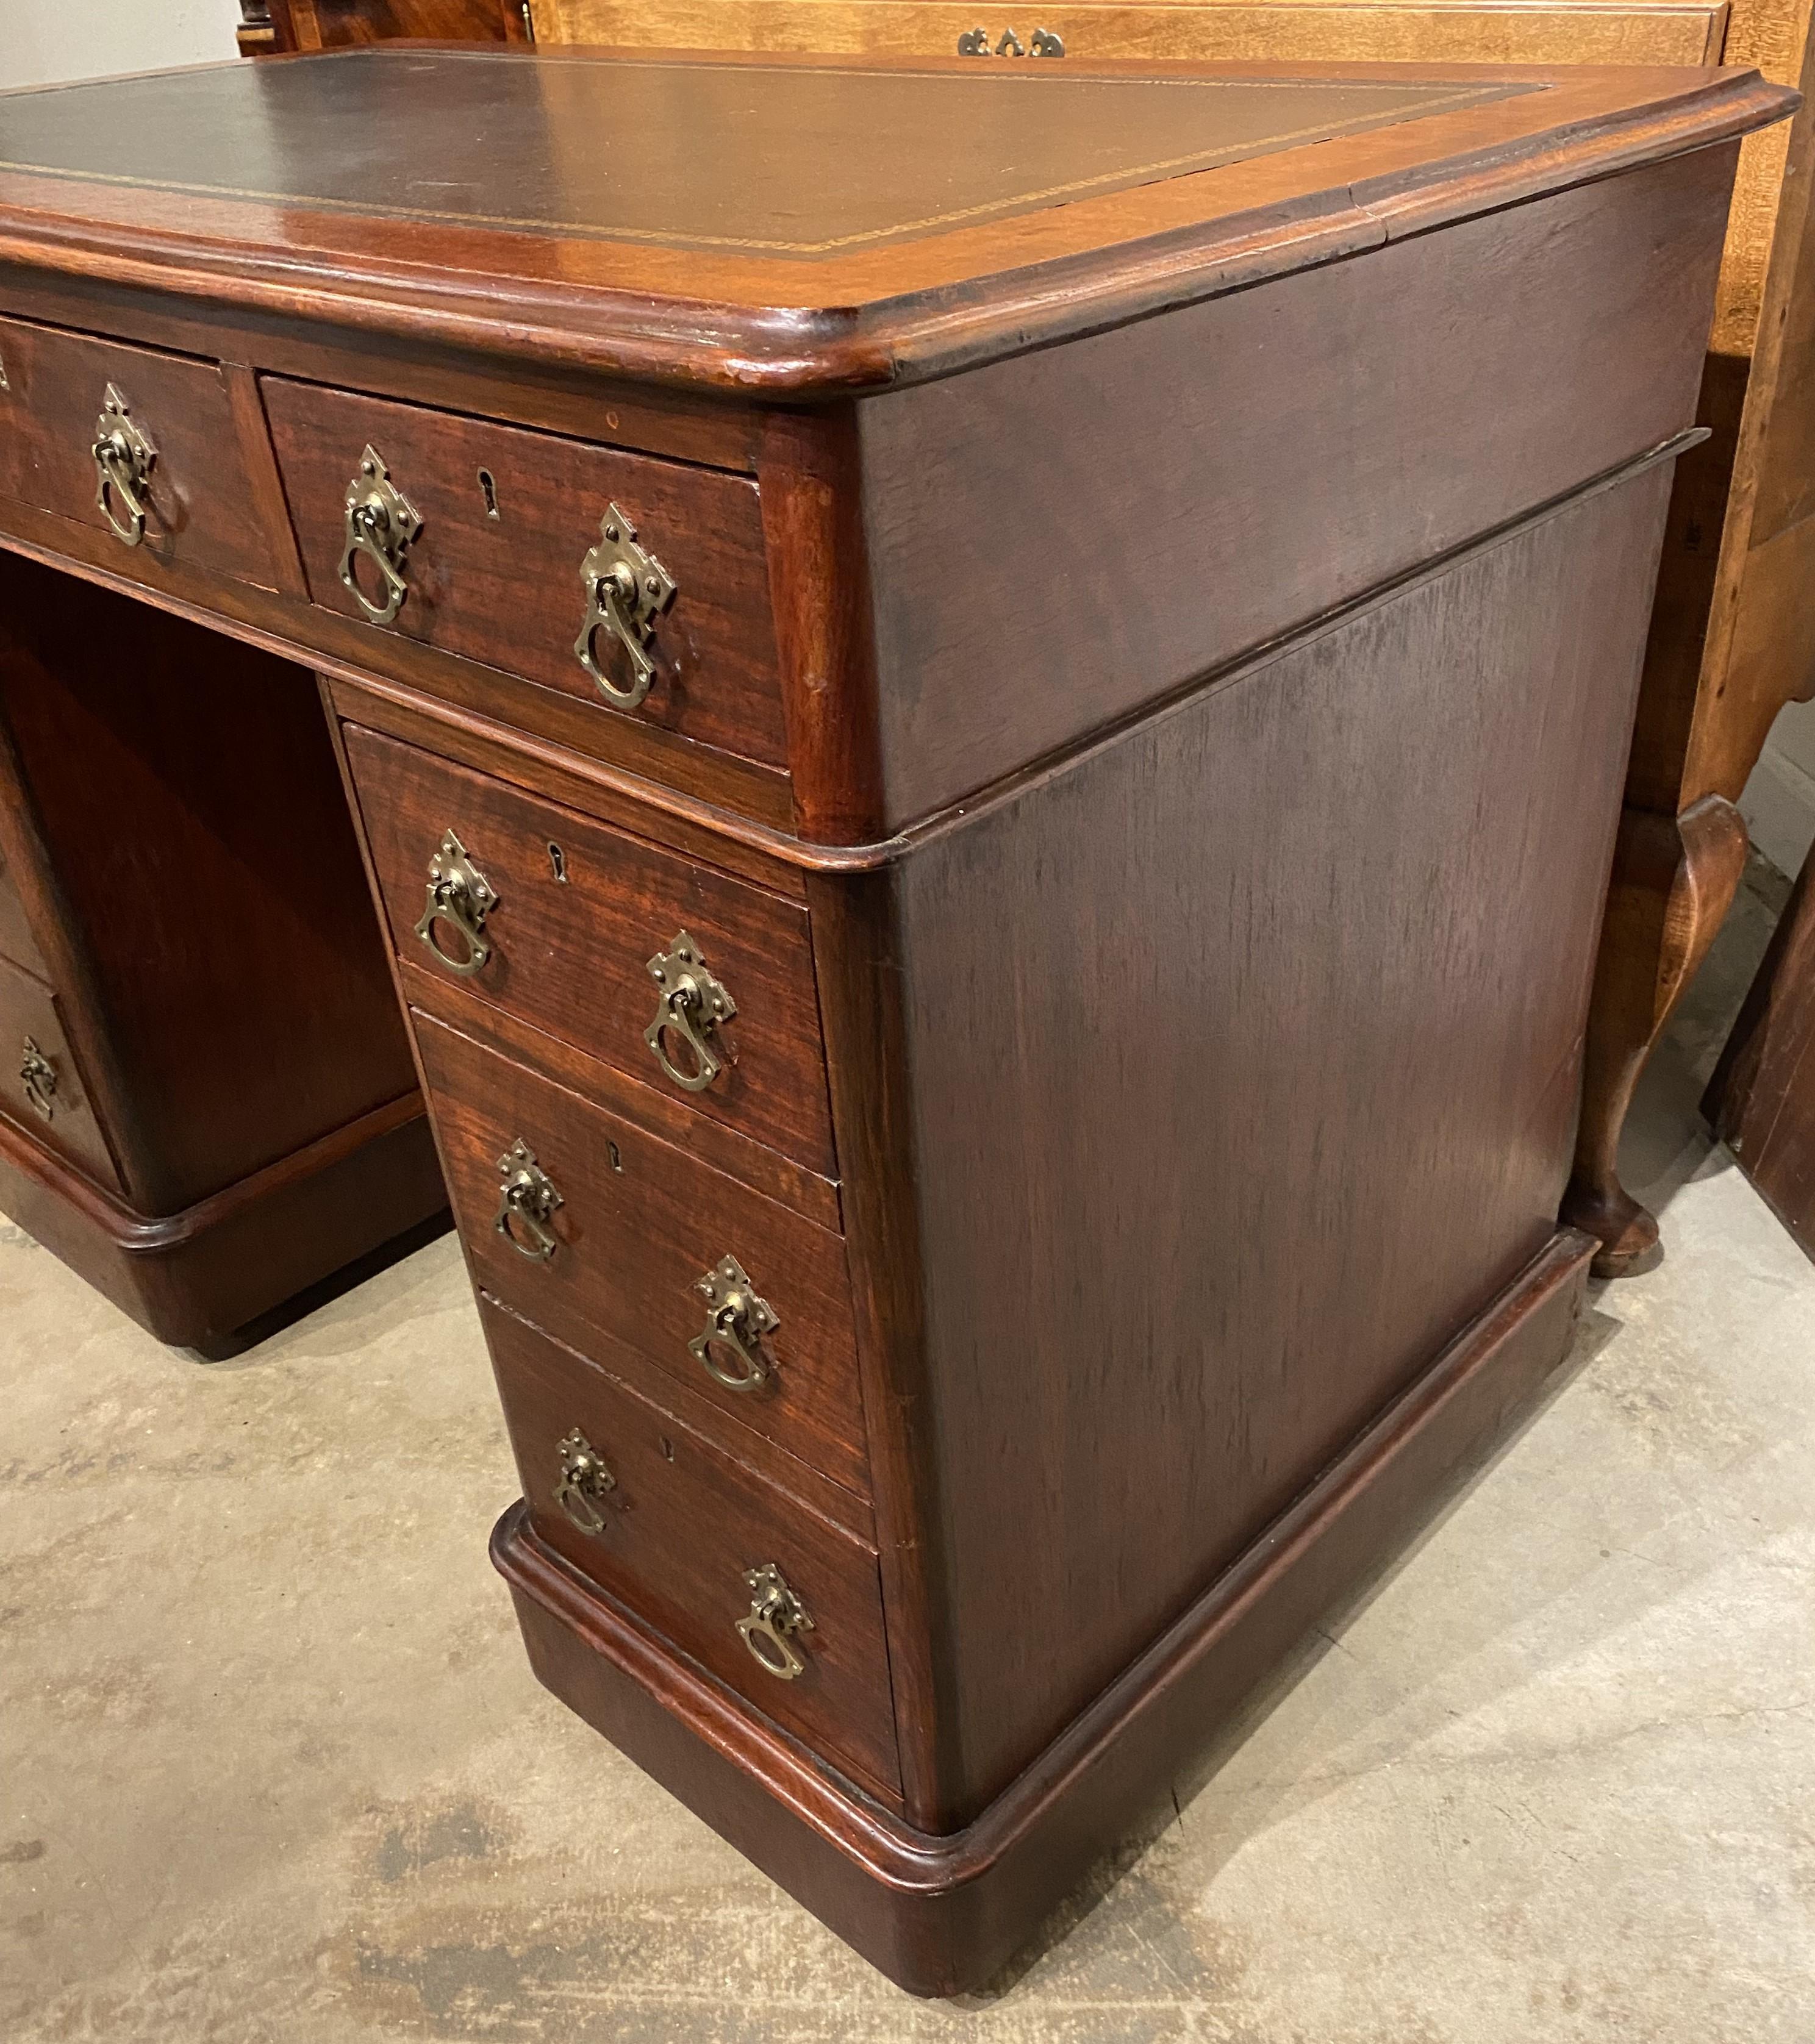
491, 489
616, 1161
558, 860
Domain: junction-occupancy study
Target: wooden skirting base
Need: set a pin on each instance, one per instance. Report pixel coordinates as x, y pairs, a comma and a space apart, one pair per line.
940, 1914
197, 1278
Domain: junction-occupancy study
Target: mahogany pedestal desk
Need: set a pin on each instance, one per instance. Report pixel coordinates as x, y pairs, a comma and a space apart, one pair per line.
988, 708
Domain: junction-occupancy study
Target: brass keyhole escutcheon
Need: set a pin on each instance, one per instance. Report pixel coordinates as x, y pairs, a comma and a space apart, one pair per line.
692, 1005
584, 1482
381, 525
627, 591
775, 1615
737, 1320
124, 459
527, 1203
38, 1076
460, 898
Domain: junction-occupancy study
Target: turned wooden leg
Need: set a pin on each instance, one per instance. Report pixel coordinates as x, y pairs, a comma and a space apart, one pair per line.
1673, 880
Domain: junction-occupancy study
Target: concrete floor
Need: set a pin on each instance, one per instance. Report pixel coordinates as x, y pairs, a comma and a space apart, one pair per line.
272, 1767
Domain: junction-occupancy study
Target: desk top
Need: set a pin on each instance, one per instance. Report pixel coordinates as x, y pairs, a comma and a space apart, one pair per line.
794, 161
788, 223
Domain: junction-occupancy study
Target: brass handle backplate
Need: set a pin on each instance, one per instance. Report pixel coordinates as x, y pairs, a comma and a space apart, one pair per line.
460, 896
975, 43
527, 1201
124, 459
737, 1320
38, 1076
627, 590
775, 1613
381, 526
583, 1483
693, 1004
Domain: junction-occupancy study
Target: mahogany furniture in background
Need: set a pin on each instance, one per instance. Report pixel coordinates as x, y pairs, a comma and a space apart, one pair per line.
1733, 636
987, 707
207, 1105
1761, 1100
269, 27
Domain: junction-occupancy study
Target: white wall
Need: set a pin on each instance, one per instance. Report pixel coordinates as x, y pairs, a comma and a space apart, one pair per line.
44, 40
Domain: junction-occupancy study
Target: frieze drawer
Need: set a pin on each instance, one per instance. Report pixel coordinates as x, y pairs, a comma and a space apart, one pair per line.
566, 923
138, 442
781, 1606
637, 585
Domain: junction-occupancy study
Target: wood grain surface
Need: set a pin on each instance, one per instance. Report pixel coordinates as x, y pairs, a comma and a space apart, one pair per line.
1094, 517
1567, 32
1232, 1083
199, 490
495, 575
219, 952
1761, 1100
570, 956
29, 1014
943, 1914
17, 942
639, 1224
684, 1522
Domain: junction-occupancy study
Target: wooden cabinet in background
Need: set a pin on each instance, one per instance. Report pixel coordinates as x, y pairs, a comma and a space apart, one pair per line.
1733, 631
267, 27
1761, 1100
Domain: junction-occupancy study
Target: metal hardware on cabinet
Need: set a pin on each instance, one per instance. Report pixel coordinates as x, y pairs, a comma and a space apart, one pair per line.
975, 43
461, 896
4, 384
124, 459
693, 1005
737, 1320
526, 1204
627, 590
584, 1482
774, 1612
382, 524
38, 1076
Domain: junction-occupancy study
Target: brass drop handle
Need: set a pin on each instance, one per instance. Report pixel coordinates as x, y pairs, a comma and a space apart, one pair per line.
38, 1076
692, 1005
775, 1613
584, 1482
124, 459
527, 1201
627, 590
461, 896
737, 1320
382, 525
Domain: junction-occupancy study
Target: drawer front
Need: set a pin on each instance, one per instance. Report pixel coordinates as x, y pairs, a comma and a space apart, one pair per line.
570, 936
40, 1088
674, 1533
17, 942
639, 1226
508, 518
198, 501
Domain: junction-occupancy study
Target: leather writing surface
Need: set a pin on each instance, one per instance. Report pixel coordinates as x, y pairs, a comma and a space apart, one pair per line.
798, 161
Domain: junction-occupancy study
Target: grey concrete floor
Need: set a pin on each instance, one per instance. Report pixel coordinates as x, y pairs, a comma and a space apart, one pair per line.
272, 1767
